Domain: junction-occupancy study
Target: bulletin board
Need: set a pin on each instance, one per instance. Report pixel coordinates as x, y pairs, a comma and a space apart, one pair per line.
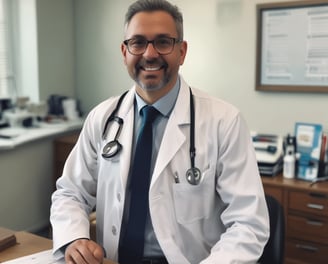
292, 46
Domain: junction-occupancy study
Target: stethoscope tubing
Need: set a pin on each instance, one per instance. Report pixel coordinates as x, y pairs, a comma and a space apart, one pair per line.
193, 174
113, 114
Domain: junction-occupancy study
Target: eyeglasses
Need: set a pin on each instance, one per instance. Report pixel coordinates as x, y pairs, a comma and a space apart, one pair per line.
163, 45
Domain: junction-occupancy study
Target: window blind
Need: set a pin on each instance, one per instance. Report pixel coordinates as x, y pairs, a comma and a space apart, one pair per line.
4, 91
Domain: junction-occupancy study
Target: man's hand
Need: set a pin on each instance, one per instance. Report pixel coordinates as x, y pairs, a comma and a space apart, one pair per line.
84, 251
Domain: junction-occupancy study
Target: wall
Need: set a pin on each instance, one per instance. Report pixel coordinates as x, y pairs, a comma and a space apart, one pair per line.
27, 182
26, 185
55, 48
221, 60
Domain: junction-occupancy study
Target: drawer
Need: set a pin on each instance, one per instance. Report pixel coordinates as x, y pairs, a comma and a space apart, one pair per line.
306, 252
308, 228
311, 202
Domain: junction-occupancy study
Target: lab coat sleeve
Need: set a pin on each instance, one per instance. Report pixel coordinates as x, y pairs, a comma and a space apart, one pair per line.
75, 196
240, 188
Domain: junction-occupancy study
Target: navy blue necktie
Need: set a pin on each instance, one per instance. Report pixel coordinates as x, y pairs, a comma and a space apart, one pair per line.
132, 238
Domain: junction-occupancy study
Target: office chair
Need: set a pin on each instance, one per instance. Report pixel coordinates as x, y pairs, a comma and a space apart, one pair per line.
274, 249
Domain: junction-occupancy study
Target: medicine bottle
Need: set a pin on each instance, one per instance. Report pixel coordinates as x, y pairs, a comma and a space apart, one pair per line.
289, 165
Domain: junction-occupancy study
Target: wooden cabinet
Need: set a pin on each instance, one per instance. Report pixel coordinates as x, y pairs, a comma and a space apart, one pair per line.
306, 218
62, 147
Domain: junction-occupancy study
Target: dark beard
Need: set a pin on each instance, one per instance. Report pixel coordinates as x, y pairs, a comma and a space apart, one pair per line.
151, 87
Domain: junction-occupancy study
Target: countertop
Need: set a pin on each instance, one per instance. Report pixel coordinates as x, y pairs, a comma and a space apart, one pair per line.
12, 137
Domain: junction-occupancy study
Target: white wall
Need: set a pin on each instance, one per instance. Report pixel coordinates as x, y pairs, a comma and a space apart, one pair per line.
56, 59
221, 60
26, 185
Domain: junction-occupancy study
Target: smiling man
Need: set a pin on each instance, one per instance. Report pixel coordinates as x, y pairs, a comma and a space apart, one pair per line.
153, 52
170, 170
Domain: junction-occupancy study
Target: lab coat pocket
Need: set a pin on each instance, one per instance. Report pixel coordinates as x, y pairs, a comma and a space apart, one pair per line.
194, 202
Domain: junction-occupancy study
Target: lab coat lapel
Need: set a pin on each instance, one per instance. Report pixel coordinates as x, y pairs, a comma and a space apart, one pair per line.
173, 137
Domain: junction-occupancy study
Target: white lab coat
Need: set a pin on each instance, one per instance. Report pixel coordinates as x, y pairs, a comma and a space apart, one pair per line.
224, 219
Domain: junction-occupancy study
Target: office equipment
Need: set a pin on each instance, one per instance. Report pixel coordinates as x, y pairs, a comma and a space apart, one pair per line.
274, 249
4, 105
269, 153
308, 140
16, 117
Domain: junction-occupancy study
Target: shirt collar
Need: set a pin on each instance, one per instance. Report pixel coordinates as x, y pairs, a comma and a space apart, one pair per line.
165, 104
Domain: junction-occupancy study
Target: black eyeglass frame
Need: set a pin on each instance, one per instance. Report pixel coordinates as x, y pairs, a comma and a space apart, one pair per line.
174, 41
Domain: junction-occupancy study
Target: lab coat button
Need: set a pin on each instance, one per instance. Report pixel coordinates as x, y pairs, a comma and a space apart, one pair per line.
114, 230
119, 197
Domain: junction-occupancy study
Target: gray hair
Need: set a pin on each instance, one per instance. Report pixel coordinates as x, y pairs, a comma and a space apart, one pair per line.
156, 5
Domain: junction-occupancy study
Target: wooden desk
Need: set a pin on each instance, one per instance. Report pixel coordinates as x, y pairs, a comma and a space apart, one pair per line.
27, 244
306, 218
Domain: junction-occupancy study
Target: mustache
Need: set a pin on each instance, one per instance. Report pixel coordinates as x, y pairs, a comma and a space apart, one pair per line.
151, 63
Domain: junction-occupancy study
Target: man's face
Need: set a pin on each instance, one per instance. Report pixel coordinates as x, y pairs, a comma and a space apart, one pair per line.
151, 70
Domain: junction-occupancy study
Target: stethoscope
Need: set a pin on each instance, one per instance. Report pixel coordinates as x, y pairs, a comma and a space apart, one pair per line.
113, 147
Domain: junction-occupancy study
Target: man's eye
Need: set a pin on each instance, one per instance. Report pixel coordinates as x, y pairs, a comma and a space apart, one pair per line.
137, 42
163, 41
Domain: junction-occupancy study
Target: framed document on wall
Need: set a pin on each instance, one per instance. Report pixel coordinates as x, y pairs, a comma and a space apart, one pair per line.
292, 46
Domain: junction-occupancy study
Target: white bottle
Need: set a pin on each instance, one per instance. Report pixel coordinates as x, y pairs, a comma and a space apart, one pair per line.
289, 166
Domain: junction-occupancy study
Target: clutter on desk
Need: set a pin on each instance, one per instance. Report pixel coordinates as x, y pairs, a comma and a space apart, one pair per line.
303, 155
5, 104
289, 167
63, 106
269, 153
311, 148
23, 113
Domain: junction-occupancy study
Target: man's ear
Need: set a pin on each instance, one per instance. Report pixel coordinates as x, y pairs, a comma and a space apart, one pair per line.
124, 51
183, 51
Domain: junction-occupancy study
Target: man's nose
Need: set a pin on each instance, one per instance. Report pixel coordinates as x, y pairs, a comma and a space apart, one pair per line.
150, 51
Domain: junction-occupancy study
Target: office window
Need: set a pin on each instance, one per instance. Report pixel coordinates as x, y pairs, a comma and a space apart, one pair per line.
18, 50
6, 76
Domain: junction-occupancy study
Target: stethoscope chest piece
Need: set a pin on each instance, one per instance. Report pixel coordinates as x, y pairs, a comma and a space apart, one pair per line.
111, 149
193, 176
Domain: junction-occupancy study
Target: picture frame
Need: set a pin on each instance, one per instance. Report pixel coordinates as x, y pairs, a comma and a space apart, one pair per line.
292, 46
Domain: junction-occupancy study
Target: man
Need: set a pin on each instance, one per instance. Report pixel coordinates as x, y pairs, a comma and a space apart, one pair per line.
204, 206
